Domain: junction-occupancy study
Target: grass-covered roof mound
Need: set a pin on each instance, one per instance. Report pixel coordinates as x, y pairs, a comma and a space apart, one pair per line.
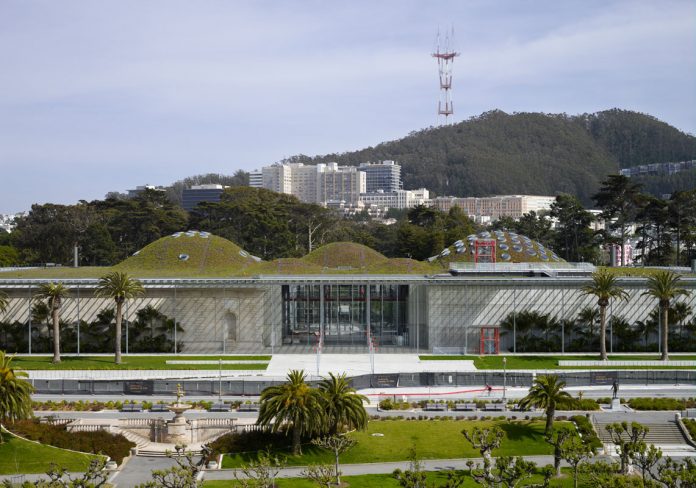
402, 266
509, 248
345, 256
189, 252
282, 266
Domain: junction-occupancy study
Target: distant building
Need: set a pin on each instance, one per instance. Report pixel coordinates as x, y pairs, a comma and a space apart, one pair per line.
256, 179
658, 168
397, 198
384, 176
495, 207
200, 193
7, 221
140, 189
319, 183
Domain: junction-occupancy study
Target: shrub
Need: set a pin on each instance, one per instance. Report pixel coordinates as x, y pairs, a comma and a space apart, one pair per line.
99, 442
248, 442
690, 425
386, 404
587, 431
585, 404
656, 404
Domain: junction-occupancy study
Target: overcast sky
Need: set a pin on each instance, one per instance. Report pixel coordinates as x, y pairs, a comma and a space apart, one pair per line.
99, 96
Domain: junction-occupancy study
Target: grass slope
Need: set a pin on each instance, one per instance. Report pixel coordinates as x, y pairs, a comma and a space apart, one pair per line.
345, 255
434, 478
136, 362
207, 255
435, 439
18, 456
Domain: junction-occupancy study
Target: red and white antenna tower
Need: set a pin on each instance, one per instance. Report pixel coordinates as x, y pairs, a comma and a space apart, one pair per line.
445, 54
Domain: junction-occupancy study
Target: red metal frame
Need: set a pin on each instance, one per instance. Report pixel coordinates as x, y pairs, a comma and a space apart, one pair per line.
486, 336
484, 250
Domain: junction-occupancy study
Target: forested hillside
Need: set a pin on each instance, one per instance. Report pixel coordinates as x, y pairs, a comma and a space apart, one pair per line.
499, 153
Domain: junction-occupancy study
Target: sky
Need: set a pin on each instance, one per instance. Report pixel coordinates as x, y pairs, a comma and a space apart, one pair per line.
100, 96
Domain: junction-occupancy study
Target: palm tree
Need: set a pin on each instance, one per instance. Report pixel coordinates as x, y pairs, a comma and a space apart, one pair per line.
587, 320
343, 407
54, 293
547, 393
604, 286
15, 393
294, 405
664, 285
120, 287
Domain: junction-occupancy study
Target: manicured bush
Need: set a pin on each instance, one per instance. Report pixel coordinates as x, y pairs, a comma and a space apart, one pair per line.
656, 404
690, 425
585, 404
241, 442
99, 442
587, 431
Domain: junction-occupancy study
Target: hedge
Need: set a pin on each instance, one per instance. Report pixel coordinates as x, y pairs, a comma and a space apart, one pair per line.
99, 442
587, 431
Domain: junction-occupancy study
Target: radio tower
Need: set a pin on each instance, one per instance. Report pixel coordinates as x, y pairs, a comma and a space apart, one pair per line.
445, 54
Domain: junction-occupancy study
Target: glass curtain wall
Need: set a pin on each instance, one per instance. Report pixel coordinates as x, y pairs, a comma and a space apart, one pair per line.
343, 314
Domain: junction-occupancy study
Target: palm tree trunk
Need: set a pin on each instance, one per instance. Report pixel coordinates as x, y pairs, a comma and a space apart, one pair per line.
550, 413
56, 335
296, 445
665, 332
338, 474
603, 333
117, 339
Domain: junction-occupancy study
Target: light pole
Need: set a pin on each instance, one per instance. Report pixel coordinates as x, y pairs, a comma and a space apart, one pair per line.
504, 379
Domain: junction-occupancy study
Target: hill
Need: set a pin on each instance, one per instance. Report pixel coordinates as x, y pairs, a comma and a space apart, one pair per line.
533, 153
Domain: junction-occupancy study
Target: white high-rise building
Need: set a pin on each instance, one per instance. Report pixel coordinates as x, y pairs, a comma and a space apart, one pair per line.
319, 183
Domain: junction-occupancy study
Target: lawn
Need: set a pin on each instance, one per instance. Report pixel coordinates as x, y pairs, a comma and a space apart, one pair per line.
137, 362
18, 456
388, 481
550, 362
434, 439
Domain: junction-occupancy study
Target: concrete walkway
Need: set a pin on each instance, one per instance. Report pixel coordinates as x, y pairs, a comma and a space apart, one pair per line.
139, 470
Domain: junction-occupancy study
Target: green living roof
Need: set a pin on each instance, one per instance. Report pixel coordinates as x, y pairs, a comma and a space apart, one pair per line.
202, 255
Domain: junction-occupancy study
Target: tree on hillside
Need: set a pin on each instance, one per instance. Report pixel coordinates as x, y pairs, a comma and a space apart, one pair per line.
574, 239
15, 393
652, 218
618, 198
293, 406
54, 294
682, 221
547, 393
119, 287
604, 286
175, 190
665, 286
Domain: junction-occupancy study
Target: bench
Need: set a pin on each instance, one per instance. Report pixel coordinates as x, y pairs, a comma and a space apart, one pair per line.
159, 407
494, 407
249, 407
435, 407
132, 407
220, 407
465, 407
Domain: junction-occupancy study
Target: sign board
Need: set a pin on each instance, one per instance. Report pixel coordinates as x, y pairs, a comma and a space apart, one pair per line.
385, 380
138, 387
603, 377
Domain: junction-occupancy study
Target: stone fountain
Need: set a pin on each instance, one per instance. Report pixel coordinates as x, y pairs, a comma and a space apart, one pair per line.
178, 429
156, 437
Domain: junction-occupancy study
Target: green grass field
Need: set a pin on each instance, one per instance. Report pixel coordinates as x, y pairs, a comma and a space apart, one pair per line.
18, 456
550, 362
137, 362
435, 439
388, 481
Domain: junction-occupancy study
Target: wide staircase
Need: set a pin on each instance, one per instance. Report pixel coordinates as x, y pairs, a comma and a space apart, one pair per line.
663, 430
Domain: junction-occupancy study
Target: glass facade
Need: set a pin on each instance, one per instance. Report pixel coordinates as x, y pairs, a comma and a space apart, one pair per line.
343, 314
